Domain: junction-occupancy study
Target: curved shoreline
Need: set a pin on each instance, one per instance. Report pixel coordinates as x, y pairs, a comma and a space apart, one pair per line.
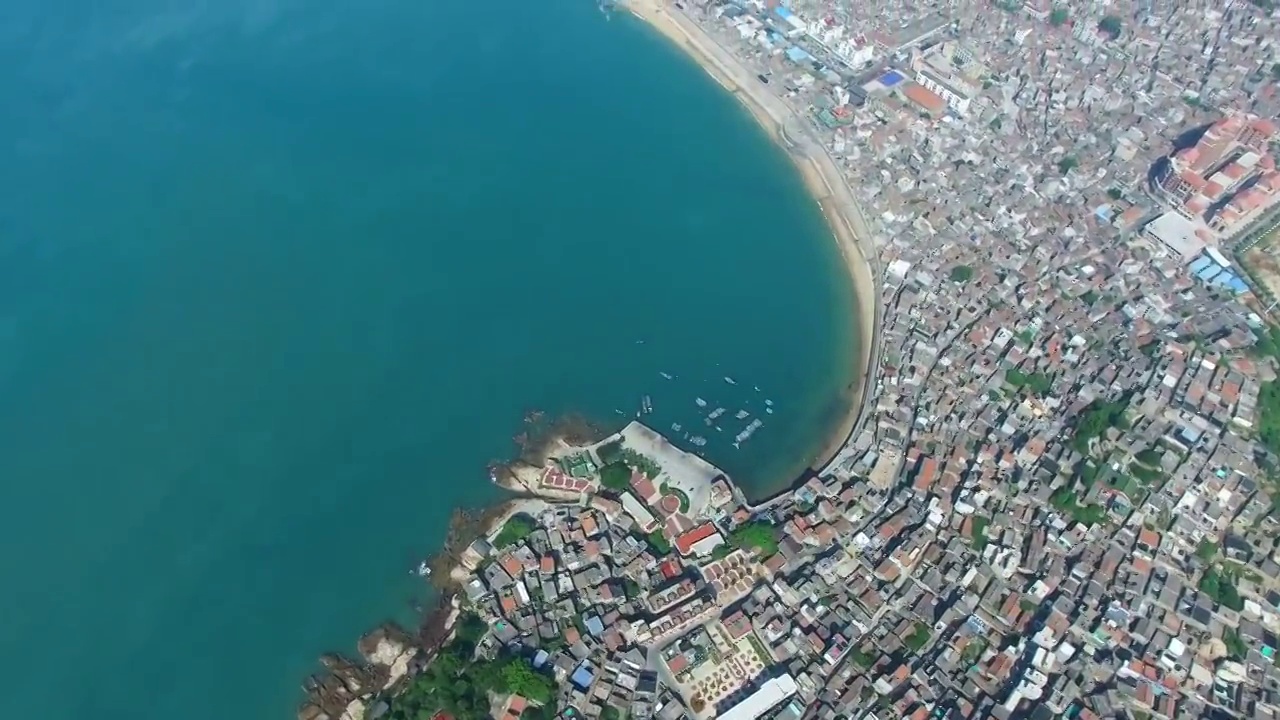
825, 183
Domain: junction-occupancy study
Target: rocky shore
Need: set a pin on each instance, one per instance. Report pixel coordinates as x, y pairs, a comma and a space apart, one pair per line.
348, 687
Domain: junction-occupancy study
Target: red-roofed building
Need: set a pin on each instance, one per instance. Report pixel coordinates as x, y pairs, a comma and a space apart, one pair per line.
686, 542
926, 99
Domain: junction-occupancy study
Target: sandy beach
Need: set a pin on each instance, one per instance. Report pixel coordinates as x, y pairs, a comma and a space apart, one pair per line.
821, 176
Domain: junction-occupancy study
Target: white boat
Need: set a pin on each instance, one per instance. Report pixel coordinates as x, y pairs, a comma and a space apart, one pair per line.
665, 375
768, 402
742, 414
701, 402
423, 570
730, 380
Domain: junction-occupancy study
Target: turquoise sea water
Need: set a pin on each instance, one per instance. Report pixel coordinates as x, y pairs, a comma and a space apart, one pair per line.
279, 277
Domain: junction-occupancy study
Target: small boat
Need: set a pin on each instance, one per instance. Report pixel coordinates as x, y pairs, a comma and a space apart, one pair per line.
665, 375
700, 402
675, 427
646, 405
423, 570
769, 410
768, 402
737, 446
741, 414
716, 413
757, 387
619, 411
730, 380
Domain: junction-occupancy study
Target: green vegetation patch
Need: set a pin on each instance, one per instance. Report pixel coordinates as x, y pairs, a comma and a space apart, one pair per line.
757, 536
862, 659
1111, 25
1235, 644
1221, 588
961, 274
766, 658
1207, 550
516, 529
973, 651
979, 539
459, 684
917, 638
641, 462
1067, 164
1066, 502
1269, 415
616, 476
1036, 383
1146, 475
658, 542
610, 452
1098, 417
1149, 457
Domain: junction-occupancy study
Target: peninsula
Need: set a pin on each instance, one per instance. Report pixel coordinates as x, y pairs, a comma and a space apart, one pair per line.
1056, 494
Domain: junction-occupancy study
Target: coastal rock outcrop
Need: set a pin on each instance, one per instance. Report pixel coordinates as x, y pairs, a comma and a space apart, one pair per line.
344, 690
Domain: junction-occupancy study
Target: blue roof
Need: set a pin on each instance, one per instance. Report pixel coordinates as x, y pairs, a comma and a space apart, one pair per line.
1237, 285
783, 12
1209, 273
594, 625
891, 78
582, 677
1224, 278
1200, 263
797, 54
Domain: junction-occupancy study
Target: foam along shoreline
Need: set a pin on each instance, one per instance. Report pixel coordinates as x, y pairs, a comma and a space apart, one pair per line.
821, 176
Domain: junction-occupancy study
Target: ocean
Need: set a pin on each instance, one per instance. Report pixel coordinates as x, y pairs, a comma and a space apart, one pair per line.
278, 278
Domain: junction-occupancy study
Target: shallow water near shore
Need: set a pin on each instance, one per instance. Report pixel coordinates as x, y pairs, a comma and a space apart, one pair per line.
278, 279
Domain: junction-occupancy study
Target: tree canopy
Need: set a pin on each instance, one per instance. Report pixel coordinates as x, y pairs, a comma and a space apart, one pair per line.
756, 535
1111, 25
458, 683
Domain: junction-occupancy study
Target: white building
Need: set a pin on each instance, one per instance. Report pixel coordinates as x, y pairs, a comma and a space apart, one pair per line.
770, 695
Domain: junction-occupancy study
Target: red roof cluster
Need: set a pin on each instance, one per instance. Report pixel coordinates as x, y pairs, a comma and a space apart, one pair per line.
557, 479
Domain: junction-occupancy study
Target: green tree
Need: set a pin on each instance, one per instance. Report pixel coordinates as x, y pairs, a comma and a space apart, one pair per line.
1097, 418
1207, 550
616, 476
1221, 588
517, 528
1275, 71
961, 274
610, 452
658, 542
1066, 164
518, 676
1115, 193
1111, 25
1235, 645
758, 536
1059, 17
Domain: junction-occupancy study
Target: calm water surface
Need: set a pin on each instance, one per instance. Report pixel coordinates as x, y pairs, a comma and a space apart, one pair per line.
279, 277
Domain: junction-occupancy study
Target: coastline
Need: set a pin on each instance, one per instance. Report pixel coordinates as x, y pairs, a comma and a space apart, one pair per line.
825, 183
